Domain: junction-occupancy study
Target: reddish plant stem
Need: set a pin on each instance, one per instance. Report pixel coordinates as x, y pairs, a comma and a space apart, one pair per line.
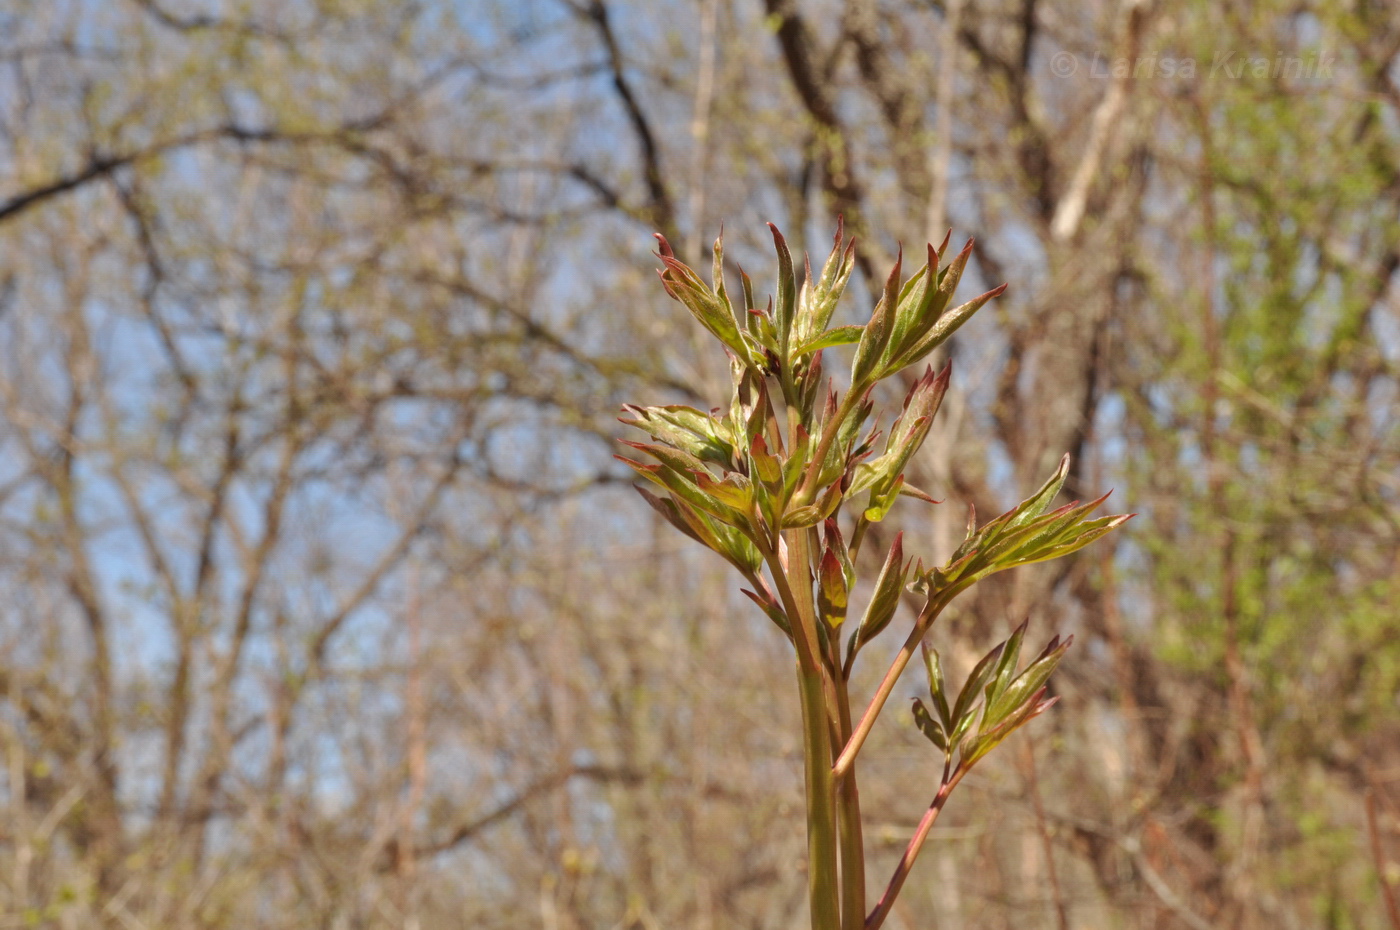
911, 852
926, 617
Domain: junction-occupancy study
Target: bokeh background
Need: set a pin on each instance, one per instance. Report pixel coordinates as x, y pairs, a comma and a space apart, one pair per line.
322, 603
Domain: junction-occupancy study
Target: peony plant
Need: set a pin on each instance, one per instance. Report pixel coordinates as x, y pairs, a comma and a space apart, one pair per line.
784, 484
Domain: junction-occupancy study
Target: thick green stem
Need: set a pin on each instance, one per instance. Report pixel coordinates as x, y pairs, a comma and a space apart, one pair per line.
822, 841
848, 819
795, 592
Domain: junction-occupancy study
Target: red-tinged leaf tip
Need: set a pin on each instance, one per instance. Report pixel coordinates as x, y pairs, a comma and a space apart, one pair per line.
664, 245
946, 239
778, 239
637, 465
1098, 501
661, 272
920, 495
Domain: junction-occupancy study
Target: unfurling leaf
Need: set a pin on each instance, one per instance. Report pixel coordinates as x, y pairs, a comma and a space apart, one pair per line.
929, 726
933, 667
877, 332
832, 591
840, 336
714, 312
995, 701
885, 601
685, 428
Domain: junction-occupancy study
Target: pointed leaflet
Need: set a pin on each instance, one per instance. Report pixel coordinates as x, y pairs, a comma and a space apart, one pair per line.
669, 456
885, 601
784, 310
835, 273
703, 303
770, 607
877, 331
728, 542
881, 503
686, 489
685, 428
1092, 530
906, 323
1039, 502
947, 324
1006, 664
907, 434
832, 592
764, 465
967, 697
933, 667
840, 336
832, 539
974, 748
1030, 681
930, 727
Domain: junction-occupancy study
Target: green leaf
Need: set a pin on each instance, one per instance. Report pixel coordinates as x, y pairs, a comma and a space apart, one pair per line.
933, 667
1032, 680
836, 272
1006, 664
764, 465
771, 608
885, 601
787, 293
840, 336
686, 428
975, 748
704, 304
967, 697
832, 592
667, 455
880, 506
1039, 502
947, 324
686, 489
929, 727
877, 332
